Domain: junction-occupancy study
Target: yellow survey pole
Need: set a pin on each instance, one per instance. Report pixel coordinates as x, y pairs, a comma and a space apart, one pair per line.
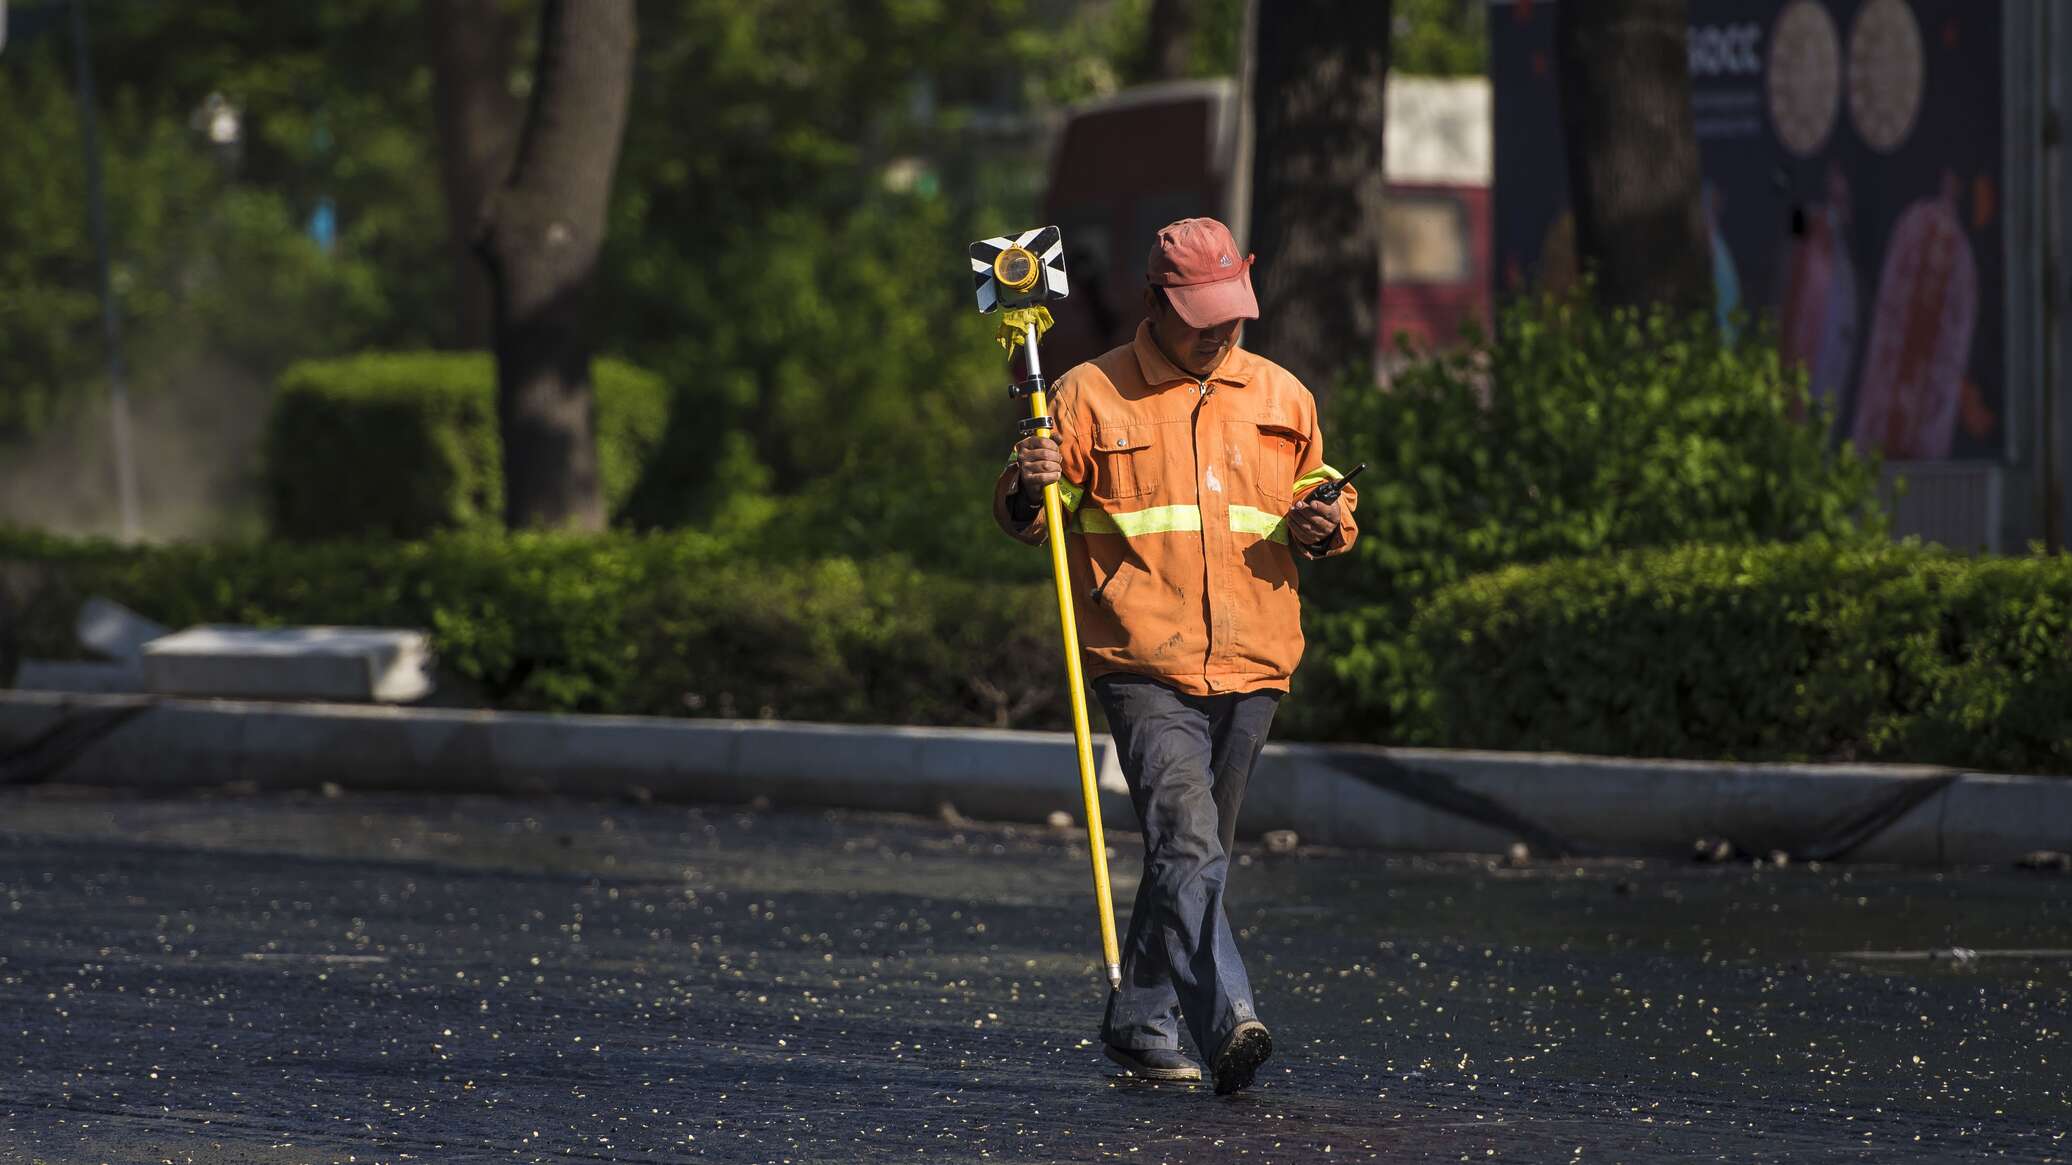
1017, 273
1075, 679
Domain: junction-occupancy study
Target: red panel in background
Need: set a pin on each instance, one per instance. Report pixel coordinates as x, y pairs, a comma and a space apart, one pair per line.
1119, 173
1125, 168
1429, 314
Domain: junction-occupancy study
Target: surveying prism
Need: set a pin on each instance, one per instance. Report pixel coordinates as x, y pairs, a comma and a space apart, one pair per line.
1014, 275
1018, 271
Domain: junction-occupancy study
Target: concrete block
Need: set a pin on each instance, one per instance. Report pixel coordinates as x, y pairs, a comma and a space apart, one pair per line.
1612, 806
25, 716
1118, 813
1989, 819
457, 742
1583, 800
44, 734
1915, 839
834, 765
1660, 806
170, 745
1281, 790
291, 746
53, 675
1009, 776
1109, 772
1296, 787
606, 756
291, 663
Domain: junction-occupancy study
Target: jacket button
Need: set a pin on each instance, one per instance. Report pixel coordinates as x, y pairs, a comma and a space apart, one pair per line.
1121, 442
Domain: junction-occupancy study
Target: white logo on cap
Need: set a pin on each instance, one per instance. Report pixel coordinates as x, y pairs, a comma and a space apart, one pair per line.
1225, 262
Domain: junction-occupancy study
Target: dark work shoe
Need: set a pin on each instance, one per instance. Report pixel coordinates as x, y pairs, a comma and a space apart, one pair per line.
1155, 1063
1247, 1047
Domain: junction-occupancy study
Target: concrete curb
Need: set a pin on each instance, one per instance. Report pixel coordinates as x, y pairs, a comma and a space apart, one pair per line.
1409, 799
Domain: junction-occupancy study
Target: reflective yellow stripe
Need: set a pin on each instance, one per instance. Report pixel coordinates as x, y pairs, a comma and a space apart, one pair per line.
1137, 523
1317, 476
1180, 520
1247, 520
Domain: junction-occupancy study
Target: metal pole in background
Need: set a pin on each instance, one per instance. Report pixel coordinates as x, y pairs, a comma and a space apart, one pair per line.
111, 320
2052, 141
1237, 187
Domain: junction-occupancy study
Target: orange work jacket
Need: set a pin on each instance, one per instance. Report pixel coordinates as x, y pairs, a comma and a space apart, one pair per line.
1179, 490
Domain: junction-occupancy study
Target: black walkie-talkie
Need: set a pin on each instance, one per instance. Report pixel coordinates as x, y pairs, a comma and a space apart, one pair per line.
1329, 491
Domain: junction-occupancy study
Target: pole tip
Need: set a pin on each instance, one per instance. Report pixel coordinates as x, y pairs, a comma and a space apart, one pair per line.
1114, 977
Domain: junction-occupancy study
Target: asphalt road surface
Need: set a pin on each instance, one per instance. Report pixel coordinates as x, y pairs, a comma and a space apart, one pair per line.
242, 979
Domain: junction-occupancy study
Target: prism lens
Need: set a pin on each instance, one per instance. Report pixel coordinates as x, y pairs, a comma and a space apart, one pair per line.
1017, 268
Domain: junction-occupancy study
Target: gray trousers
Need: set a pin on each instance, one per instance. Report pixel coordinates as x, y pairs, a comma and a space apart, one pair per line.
1187, 760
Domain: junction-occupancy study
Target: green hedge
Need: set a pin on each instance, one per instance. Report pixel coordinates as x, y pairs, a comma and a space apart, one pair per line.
1811, 651
1900, 653
668, 625
403, 445
1574, 431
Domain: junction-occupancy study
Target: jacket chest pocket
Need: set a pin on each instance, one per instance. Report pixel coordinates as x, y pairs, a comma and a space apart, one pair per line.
1278, 453
1125, 461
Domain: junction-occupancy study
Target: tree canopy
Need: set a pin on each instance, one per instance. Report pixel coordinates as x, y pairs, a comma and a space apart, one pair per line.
799, 179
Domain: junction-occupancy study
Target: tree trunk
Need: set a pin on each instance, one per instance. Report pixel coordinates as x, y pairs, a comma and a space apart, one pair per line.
1633, 151
1169, 43
1318, 75
472, 44
541, 237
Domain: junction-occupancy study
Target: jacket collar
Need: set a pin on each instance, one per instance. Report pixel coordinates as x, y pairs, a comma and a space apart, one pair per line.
1236, 368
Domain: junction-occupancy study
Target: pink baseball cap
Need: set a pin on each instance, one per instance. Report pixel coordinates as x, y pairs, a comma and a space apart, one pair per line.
1197, 262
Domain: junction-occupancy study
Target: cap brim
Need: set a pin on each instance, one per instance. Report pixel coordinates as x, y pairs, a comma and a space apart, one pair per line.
1205, 305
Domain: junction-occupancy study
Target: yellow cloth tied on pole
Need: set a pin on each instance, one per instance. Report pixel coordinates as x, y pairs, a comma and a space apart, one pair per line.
1014, 325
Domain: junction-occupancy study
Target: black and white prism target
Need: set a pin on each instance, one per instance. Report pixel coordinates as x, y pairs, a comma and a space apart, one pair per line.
1012, 271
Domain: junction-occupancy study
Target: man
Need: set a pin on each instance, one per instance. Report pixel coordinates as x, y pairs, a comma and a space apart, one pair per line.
1186, 465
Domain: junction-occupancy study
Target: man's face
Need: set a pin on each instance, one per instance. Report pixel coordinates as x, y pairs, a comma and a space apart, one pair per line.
1195, 350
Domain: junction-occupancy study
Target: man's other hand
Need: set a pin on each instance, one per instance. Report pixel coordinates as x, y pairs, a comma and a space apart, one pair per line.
1312, 521
1041, 463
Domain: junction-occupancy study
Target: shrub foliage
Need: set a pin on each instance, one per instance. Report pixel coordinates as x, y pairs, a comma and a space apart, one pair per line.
645, 624
1573, 432
404, 444
1812, 651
